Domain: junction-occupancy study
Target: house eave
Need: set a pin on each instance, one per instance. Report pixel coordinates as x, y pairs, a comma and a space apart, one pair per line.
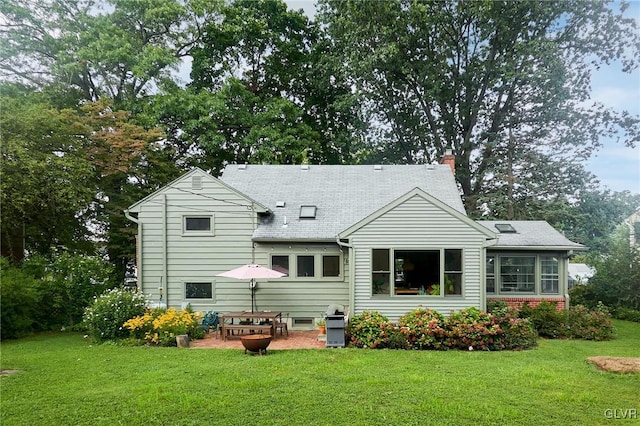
538, 248
293, 240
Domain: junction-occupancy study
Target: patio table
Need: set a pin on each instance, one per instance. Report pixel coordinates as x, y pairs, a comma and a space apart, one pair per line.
271, 316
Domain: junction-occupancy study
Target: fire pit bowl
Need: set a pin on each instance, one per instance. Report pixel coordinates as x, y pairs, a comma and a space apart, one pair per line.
256, 343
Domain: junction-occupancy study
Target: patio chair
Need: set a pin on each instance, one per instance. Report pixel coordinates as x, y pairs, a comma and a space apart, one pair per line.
282, 324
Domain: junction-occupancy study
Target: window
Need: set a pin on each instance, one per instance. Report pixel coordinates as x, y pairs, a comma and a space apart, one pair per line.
505, 228
198, 290
330, 266
549, 274
197, 223
517, 274
307, 212
491, 274
306, 266
280, 264
381, 271
453, 272
419, 271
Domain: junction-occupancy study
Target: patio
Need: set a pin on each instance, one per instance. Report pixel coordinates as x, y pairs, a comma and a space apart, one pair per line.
296, 340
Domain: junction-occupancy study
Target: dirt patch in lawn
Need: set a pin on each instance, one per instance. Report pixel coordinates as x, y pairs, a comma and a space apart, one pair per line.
7, 372
616, 364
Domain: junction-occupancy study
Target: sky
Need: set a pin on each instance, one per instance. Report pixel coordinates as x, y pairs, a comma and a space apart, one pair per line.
617, 167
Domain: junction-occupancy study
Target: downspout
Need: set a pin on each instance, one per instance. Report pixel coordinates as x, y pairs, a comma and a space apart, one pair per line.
127, 214
352, 290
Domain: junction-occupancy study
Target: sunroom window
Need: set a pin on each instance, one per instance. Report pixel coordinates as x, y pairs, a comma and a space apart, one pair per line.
517, 274
549, 274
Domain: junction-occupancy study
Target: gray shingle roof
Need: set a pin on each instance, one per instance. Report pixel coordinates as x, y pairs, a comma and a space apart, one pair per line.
534, 233
343, 195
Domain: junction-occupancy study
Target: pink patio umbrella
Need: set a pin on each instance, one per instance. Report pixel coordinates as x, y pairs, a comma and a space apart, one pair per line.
251, 272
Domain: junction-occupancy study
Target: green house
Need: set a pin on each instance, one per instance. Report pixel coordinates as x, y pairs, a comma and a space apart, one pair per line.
384, 237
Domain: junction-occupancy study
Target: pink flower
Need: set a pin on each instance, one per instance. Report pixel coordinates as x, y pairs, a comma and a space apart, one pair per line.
470, 348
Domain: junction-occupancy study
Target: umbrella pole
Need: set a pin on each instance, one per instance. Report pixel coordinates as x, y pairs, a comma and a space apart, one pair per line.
253, 294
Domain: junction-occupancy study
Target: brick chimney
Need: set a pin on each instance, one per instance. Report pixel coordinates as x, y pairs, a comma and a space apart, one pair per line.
450, 159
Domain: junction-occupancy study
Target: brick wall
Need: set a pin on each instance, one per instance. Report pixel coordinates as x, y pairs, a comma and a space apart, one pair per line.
517, 302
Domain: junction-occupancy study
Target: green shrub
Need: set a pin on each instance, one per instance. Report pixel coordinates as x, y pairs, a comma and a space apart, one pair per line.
473, 329
548, 321
370, 329
626, 314
424, 329
20, 297
71, 282
105, 317
517, 333
589, 325
494, 305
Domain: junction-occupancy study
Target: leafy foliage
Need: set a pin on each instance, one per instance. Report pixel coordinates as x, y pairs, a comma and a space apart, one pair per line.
473, 329
20, 297
424, 329
589, 325
616, 282
370, 329
546, 318
503, 84
160, 327
105, 317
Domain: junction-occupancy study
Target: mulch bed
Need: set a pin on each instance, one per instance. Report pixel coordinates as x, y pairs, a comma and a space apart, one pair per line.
616, 364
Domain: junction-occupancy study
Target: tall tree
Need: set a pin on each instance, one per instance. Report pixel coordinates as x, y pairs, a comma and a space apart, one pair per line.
504, 84
46, 180
260, 77
121, 49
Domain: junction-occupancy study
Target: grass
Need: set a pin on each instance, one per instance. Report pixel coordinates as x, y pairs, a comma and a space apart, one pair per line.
66, 379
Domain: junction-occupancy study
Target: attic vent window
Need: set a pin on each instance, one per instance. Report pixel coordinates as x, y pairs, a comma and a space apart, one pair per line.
242, 167
505, 228
196, 182
304, 167
281, 204
377, 167
307, 212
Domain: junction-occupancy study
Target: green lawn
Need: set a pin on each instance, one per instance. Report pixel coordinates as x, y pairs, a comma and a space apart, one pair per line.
66, 380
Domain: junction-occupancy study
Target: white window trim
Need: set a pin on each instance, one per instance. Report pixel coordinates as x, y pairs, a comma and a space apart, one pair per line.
209, 233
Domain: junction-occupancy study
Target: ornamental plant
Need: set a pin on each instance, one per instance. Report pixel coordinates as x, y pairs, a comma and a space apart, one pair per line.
473, 329
424, 329
106, 314
160, 327
517, 333
370, 329
583, 323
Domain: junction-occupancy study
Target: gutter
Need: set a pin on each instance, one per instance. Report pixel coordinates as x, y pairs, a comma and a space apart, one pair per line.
127, 214
352, 274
